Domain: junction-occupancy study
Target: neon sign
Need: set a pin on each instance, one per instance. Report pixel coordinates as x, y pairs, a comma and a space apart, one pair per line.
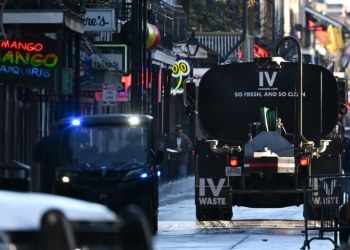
180, 68
258, 52
25, 46
26, 59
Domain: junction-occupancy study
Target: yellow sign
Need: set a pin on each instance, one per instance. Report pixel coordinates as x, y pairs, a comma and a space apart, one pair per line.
334, 40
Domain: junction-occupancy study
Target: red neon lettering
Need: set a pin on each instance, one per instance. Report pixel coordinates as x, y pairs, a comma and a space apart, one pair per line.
25, 46
14, 45
30, 47
38, 47
259, 51
21, 45
5, 44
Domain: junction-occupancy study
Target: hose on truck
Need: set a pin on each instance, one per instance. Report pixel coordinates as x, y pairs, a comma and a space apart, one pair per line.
268, 119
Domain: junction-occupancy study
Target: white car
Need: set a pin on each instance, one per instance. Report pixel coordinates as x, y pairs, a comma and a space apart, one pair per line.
43, 221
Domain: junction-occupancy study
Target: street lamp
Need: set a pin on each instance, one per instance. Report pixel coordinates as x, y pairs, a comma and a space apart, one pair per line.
192, 47
192, 43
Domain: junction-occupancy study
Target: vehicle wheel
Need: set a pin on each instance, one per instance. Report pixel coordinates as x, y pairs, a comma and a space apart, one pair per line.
155, 224
225, 213
145, 202
135, 232
215, 213
315, 213
203, 214
344, 236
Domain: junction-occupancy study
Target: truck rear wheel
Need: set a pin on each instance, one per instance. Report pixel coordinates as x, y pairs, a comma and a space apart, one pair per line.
225, 213
213, 213
202, 214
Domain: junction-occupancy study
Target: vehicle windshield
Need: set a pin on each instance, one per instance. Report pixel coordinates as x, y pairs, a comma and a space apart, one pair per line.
119, 144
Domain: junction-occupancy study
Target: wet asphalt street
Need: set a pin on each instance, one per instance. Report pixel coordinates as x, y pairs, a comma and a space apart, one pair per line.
250, 228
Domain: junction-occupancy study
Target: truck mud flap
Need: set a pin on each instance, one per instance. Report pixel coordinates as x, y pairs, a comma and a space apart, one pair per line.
326, 208
213, 194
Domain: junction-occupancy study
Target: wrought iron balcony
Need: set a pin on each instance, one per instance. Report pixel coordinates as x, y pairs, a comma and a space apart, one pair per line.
220, 42
74, 5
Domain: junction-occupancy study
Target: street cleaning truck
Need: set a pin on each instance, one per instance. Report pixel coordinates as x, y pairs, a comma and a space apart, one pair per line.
262, 128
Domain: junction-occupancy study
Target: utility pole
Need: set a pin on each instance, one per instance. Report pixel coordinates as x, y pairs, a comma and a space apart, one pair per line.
134, 58
3, 35
77, 41
60, 103
248, 44
144, 59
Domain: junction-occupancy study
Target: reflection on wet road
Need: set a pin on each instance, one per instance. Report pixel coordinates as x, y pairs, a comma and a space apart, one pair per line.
250, 228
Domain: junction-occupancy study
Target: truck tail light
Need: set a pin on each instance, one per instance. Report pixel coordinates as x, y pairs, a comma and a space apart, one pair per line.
304, 161
233, 161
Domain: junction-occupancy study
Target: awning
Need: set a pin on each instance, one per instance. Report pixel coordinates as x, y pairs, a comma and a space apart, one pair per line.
199, 72
65, 17
163, 57
325, 18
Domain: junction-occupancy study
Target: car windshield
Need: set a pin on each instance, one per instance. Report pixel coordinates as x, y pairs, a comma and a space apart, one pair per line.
120, 144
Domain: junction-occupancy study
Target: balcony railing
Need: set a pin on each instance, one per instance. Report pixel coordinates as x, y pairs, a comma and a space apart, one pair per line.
220, 42
165, 24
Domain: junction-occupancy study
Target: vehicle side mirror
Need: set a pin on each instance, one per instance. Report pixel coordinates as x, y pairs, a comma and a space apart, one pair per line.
190, 109
158, 157
343, 110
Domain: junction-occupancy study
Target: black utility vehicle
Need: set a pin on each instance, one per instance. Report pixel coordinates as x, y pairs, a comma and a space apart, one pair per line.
110, 159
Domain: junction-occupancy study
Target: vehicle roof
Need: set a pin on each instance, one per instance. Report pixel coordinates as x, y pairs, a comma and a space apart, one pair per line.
106, 119
21, 211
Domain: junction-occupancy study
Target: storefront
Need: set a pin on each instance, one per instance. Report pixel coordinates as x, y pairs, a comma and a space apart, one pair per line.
36, 78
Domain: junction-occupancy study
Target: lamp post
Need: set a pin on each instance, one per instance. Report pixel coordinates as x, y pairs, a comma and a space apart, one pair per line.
192, 48
192, 43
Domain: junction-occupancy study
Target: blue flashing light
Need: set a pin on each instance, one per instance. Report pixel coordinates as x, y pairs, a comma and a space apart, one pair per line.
144, 175
158, 173
76, 122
